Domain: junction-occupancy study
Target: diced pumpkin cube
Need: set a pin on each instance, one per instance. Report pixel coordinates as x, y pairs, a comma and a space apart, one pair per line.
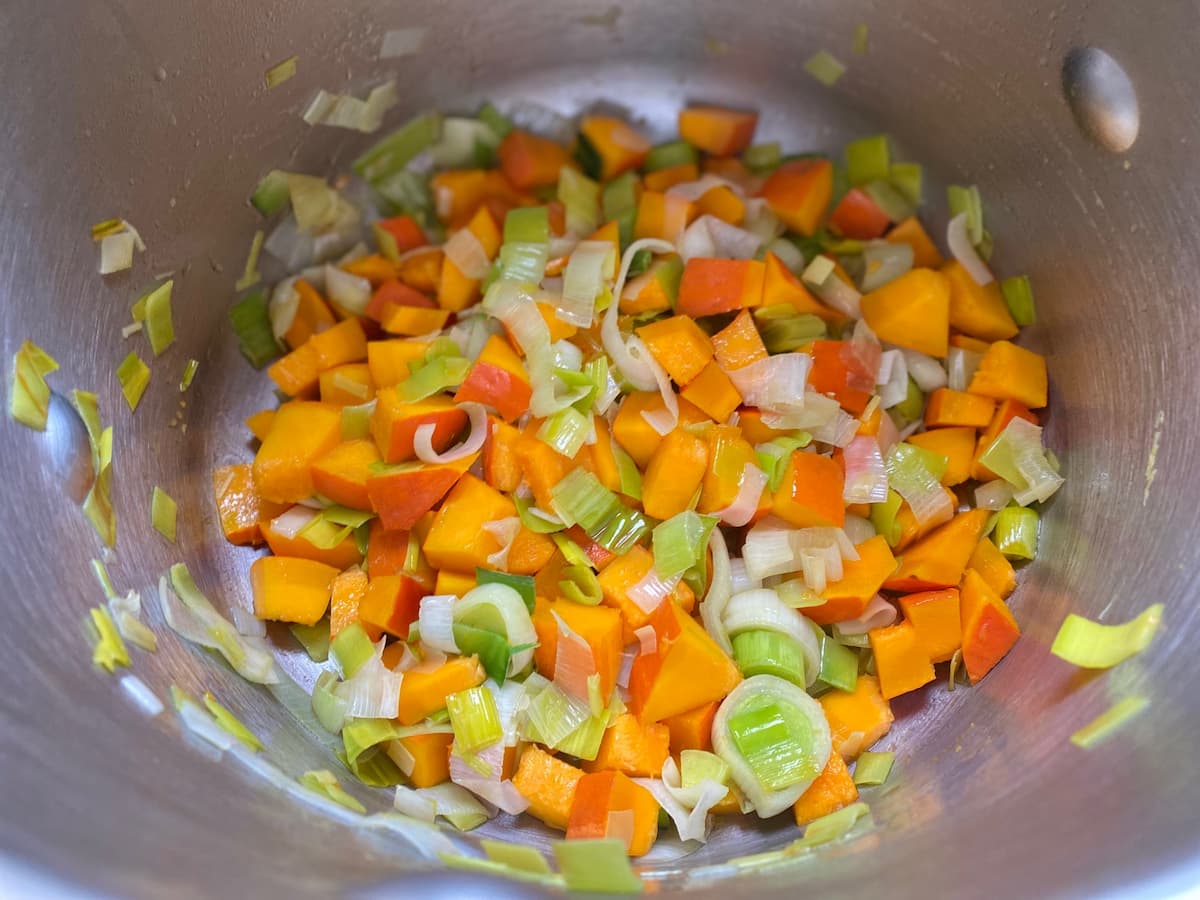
799, 193
239, 505
529, 161
662, 216
810, 493
430, 754
989, 629
342, 473
925, 252
424, 692
674, 474
388, 361
956, 444
632, 748
716, 130
598, 795
498, 379
686, 670
738, 344
934, 616
679, 345
301, 432
912, 311
346, 593
711, 286
993, 567
947, 408
692, 729
833, 789
861, 580
1009, 372
858, 718
548, 784
458, 539
403, 494
348, 385
938, 560
394, 423
290, 590
977, 310
391, 603
619, 147
780, 286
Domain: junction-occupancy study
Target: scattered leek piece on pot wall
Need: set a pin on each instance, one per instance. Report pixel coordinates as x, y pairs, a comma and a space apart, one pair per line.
1091, 645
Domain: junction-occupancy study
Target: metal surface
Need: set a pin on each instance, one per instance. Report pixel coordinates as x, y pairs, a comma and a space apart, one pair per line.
157, 112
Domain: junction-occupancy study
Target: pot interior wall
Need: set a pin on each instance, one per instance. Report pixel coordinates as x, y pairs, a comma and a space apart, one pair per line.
158, 113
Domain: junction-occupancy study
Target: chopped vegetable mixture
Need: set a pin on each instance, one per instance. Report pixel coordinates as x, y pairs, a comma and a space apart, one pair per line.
631, 478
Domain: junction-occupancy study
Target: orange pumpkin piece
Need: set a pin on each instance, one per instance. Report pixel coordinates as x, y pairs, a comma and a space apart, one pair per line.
403, 494
716, 130
938, 559
347, 385
989, 629
346, 593
738, 344
912, 311
947, 408
679, 345
499, 379
1009, 372
619, 147
431, 758
900, 659
388, 361
858, 718
993, 567
342, 473
781, 286
692, 728
548, 784
422, 693
711, 286
662, 216
301, 433
957, 444
239, 506
861, 580
391, 603
341, 556
934, 615
833, 789
290, 590
456, 290
686, 670
674, 473
925, 252
529, 161
395, 422
598, 795
810, 493
600, 628
799, 193
632, 748
977, 310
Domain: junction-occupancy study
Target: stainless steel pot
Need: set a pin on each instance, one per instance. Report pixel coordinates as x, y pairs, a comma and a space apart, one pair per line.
157, 112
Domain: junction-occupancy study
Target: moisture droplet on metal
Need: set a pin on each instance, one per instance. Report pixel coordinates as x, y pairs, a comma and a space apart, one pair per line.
1101, 97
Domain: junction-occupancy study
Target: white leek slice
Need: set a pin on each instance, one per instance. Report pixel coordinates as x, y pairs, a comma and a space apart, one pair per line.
761, 609
759, 691
508, 605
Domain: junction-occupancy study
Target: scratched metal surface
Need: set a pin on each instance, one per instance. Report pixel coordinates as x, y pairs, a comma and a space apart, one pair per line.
156, 112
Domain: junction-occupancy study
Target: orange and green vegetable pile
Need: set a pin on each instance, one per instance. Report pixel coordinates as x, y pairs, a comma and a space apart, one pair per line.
631, 477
